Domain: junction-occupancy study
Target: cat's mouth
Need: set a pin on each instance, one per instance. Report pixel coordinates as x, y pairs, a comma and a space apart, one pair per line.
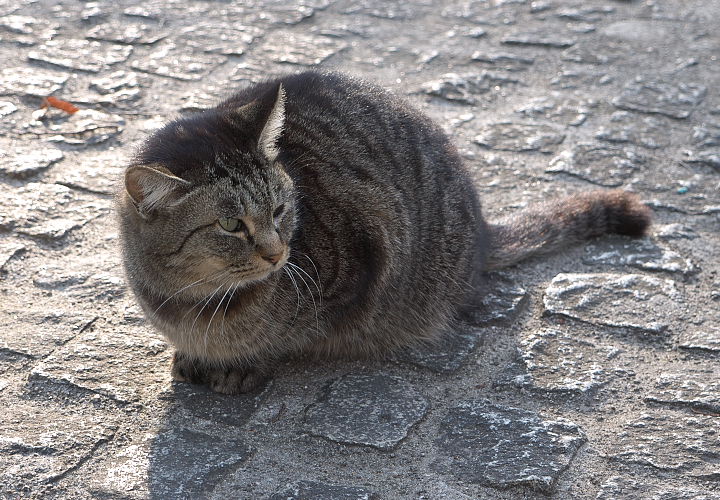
258, 273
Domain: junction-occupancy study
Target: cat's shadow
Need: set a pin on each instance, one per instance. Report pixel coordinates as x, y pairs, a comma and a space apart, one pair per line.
203, 435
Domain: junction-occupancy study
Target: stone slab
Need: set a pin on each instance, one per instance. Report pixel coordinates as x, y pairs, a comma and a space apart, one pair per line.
464, 89
669, 442
676, 100
634, 301
47, 211
124, 367
376, 410
696, 389
474, 446
642, 254
518, 137
598, 164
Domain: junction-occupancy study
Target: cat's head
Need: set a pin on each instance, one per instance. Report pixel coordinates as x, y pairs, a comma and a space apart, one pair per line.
208, 202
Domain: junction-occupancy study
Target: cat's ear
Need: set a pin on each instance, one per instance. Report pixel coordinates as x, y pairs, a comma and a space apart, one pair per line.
151, 187
267, 143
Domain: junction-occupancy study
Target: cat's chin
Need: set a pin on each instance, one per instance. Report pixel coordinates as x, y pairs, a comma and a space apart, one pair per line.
254, 279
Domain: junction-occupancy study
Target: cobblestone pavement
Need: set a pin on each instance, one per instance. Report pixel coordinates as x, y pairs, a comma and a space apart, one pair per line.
595, 371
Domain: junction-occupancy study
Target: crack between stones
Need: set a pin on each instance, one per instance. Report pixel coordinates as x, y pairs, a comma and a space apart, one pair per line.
82, 189
82, 461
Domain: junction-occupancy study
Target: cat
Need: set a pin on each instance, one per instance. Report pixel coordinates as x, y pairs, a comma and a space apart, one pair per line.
317, 214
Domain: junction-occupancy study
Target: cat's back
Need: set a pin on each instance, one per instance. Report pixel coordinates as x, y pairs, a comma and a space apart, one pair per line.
339, 116
387, 206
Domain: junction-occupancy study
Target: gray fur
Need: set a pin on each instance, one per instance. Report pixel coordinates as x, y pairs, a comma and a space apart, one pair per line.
380, 239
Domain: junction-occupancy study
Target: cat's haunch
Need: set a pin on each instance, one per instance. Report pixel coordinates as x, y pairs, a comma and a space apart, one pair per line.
319, 214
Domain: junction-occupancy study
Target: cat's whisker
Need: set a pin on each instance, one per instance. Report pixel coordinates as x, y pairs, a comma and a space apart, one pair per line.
207, 329
192, 327
176, 293
297, 291
317, 321
221, 275
317, 274
222, 323
317, 287
198, 282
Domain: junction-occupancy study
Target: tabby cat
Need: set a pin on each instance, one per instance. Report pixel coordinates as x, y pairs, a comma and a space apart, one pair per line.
318, 214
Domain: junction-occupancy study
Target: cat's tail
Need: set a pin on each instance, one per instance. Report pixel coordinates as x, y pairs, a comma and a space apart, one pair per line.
549, 226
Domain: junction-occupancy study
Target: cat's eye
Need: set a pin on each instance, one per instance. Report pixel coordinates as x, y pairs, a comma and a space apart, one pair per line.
278, 211
231, 224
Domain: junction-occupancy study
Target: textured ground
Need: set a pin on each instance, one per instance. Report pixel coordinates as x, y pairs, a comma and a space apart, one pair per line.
595, 373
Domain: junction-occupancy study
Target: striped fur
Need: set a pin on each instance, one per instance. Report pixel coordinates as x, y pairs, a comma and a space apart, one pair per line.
382, 225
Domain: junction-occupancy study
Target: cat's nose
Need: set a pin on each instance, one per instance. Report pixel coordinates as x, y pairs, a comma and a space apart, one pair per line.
274, 258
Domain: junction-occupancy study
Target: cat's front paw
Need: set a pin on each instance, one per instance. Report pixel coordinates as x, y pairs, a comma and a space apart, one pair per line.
235, 380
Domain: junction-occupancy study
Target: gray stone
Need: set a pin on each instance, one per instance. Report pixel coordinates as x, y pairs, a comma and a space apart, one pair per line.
449, 354
703, 338
388, 10
26, 30
645, 131
706, 135
186, 463
639, 30
221, 40
47, 211
9, 248
546, 39
298, 48
118, 89
668, 442
85, 280
588, 52
54, 278
22, 162
561, 362
501, 300
375, 410
634, 301
669, 232
703, 158
81, 55
568, 112
508, 136
483, 13
306, 490
49, 330
98, 361
174, 463
115, 81
41, 441
602, 165
144, 11
132, 34
676, 100
585, 14
93, 12
575, 79
7, 108
538, 7
179, 63
85, 127
202, 403
643, 254
30, 82
618, 487
475, 446
503, 60
95, 173
699, 390
465, 88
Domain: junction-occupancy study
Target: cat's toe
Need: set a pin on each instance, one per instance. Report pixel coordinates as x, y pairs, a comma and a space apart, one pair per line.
235, 381
185, 370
